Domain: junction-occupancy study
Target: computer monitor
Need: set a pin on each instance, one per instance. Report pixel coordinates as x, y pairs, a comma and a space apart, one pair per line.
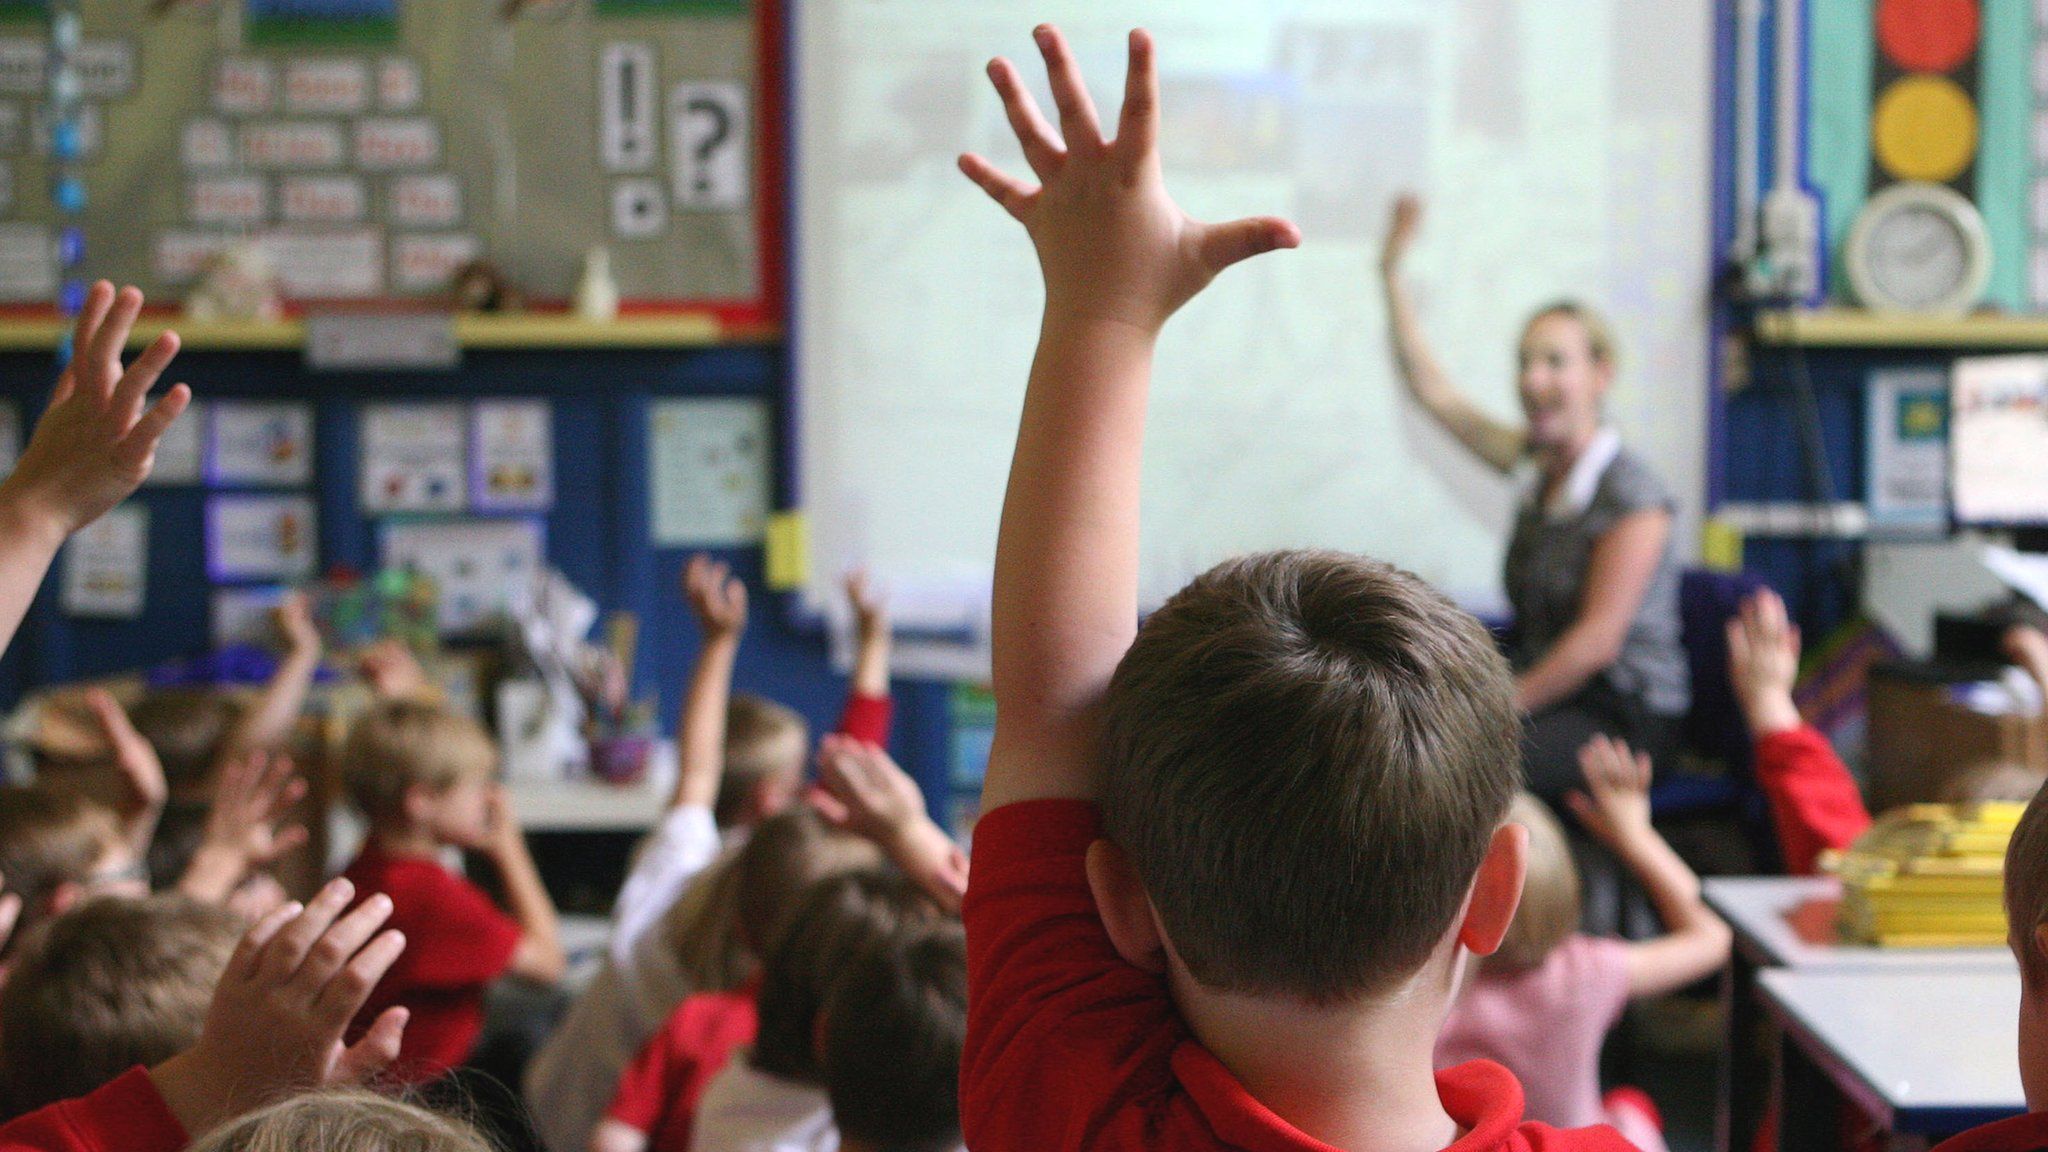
1998, 442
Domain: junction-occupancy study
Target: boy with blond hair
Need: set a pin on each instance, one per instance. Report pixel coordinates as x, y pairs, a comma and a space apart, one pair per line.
1231, 864
423, 777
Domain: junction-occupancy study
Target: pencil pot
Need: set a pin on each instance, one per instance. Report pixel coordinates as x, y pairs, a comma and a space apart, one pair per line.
620, 759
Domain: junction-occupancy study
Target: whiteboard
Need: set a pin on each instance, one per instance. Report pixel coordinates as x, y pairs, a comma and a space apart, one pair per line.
1563, 148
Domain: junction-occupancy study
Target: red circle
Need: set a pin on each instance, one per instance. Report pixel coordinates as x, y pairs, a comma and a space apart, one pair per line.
1927, 35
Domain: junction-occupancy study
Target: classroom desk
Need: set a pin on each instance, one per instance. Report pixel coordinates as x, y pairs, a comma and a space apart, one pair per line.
593, 805
1925, 1053
1788, 922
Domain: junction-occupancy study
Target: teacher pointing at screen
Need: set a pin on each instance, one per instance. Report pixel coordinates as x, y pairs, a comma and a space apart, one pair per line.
1590, 571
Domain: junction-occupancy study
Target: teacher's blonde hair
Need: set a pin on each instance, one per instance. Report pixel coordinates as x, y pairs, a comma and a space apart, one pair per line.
1600, 342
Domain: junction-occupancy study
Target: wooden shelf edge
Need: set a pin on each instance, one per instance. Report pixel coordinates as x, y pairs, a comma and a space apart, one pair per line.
484, 333
1853, 328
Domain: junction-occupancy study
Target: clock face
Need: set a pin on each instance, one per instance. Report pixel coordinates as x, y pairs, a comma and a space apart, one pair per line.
1918, 257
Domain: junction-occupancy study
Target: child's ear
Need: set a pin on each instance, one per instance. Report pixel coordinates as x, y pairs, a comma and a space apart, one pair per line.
1496, 890
1125, 909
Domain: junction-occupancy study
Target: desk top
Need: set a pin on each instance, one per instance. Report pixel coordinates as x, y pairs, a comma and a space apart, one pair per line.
1789, 922
1926, 1053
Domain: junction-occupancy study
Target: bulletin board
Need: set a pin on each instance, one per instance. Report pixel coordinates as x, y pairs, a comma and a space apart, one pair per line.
375, 145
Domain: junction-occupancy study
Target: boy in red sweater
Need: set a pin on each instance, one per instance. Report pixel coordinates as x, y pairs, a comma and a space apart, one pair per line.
1231, 864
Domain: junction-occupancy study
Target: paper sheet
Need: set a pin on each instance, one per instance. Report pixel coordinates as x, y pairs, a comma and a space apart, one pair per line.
1999, 408
479, 566
1906, 435
512, 461
260, 537
2023, 573
181, 453
106, 565
242, 615
259, 443
415, 457
708, 461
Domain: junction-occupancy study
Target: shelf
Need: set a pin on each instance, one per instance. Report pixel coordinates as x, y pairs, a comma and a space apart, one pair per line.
1853, 328
544, 331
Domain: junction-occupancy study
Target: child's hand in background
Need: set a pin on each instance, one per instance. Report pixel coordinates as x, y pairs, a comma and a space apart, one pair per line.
1615, 806
717, 597
1112, 245
247, 826
97, 440
872, 797
294, 620
1404, 222
870, 610
392, 671
1763, 664
144, 789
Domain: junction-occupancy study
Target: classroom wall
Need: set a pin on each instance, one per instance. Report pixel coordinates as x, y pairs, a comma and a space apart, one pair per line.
597, 533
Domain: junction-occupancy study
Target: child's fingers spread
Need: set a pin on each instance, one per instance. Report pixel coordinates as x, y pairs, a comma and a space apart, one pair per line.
1222, 245
90, 316
286, 840
339, 944
1137, 133
248, 954
140, 443
343, 996
1078, 122
373, 1053
111, 338
1004, 190
288, 950
133, 389
1042, 149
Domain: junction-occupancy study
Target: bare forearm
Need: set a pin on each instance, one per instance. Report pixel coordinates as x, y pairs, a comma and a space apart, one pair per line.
1673, 888
28, 543
1497, 444
527, 899
269, 724
871, 664
700, 733
930, 858
1067, 554
213, 874
1583, 652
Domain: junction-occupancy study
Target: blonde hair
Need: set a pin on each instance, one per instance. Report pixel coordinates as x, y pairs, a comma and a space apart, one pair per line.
399, 745
763, 740
2026, 887
1549, 911
736, 911
344, 1120
1600, 341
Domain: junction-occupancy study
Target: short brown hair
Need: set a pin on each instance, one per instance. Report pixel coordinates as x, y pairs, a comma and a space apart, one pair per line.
725, 922
763, 740
1306, 756
402, 744
894, 1030
840, 919
344, 1120
2026, 887
1549, 911
48, 839
189, 728
107, 986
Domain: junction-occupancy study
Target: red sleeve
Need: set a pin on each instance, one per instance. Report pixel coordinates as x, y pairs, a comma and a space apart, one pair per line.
127, 1114
1814, 801
1060, 1030
456, 938
866, 719
648, 1082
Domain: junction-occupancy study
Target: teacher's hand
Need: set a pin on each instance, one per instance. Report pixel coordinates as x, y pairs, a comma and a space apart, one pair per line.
1403, 223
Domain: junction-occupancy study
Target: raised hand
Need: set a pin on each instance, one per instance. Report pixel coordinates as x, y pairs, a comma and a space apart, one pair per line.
870, 610
281, 1008
1616, 803
717, 597
1111, 243
1404, 223
867, 794
144, 789
245, 828
294, 620
1763, 663
391, 670
97, 440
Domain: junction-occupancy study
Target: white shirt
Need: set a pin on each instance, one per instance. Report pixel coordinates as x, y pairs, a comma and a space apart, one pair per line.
574, 1076
1575, 495
747, 1110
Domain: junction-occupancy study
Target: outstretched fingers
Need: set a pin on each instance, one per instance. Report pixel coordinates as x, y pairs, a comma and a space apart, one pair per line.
1221, 245
1042, 148
102, 363
1137, 133
133, 390
1011, 193
1078, 122
138, 447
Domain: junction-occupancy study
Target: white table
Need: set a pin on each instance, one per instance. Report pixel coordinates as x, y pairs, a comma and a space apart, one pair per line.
1923, 1052
1761, 910
594, 806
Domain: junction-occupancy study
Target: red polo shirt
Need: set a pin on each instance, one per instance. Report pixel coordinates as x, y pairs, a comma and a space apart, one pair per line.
659, 1090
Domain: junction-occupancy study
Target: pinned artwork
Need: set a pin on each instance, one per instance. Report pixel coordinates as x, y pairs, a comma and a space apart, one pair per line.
628, 117
426, 200
260, 538
708, 148
512, 459
639, 209
208, 144
106, 565
322, 200
245, 86
291, 144
709, 471
397, 143
399, 86
429, 263
259, 443
326, 86
415, 458
478, 567
233, 201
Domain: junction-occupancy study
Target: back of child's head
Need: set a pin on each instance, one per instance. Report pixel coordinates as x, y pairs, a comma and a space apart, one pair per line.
765, 744
344, 1120
726, 921
2009, 781
399, 745
49, 840
1306, 756
189, 728
1549, 911
2026, 889
839, 920
108, 985
894, 1029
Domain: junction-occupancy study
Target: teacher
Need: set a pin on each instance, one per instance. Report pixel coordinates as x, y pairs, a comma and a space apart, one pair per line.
1590, 571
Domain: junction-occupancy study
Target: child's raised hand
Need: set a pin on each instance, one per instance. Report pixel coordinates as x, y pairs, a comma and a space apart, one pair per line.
1111, 243
251, 801
1763, 663
294, 620
281, 1008
1404, 222
870, 610
1616, 802
391, 669
717, 597
875, 798
142, 773
97, 440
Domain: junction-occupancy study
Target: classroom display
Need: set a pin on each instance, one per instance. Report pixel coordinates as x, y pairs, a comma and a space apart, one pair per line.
1998, 439
1555, 145
1929, 876
351, 151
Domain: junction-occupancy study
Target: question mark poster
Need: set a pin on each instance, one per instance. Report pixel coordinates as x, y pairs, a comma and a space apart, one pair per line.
708, 147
